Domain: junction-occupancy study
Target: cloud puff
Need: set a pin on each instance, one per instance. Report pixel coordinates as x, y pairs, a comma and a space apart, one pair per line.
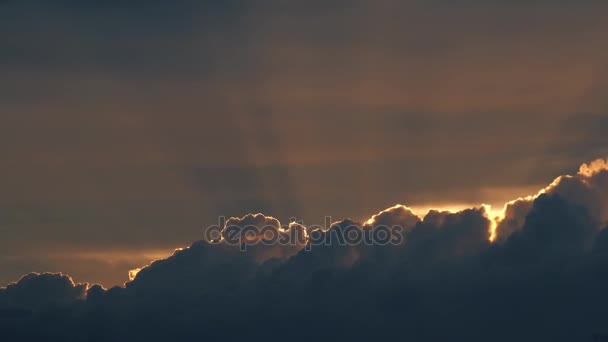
588, 188
397, 215
543, 278
35, 290
243, 246
264, 236
202, 267
514, 216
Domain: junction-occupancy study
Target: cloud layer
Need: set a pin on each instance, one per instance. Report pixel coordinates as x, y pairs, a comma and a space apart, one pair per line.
543, 277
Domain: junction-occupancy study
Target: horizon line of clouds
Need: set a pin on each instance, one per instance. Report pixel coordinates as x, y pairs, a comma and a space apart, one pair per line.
501, 223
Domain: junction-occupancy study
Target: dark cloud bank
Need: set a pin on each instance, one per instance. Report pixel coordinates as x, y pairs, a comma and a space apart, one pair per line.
542, 278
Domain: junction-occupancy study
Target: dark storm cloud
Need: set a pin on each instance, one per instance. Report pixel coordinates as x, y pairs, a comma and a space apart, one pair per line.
445, 280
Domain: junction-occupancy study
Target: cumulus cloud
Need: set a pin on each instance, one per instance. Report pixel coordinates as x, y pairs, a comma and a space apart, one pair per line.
40, 289
513, 216
587, 188
397, 215
264, 236
542, 278
241, 248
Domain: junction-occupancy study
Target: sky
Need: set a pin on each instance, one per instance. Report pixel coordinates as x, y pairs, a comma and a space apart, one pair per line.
128, 127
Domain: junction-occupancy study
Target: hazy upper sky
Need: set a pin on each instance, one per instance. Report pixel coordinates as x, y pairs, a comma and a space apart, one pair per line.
125, 129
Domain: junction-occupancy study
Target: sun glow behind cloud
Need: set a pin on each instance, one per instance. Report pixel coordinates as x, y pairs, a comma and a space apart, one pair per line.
496, 216
133, 273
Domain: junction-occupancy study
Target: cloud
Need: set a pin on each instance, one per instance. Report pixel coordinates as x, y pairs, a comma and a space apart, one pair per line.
513, 216
588, 188
244, 246
37, 290
264, 236
542, 278
397, 215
